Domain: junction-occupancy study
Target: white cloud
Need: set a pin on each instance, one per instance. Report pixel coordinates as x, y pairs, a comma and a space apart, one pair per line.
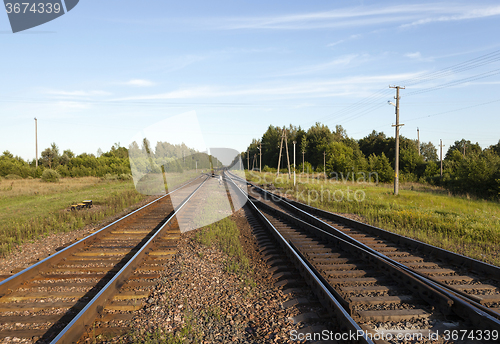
415, 55
78, 93
463, 14
329, 88
139, 83
341, 61
406, 15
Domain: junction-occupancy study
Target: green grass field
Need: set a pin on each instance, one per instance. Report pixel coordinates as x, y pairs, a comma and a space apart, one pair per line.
458, 223
31, 208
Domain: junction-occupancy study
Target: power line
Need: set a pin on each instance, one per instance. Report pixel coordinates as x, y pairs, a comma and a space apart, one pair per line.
460, 109
457, 82
362, 106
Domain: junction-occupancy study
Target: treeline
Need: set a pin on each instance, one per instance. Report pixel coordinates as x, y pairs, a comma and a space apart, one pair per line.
117, 161
477, 171
167, 157
67, 164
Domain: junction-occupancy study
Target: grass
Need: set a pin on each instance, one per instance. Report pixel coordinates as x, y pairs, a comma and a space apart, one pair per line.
32, 209
187, 333
225, 235
460, 224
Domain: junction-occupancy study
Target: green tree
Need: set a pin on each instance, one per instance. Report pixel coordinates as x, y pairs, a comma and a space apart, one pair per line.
270, 146
428, 151
50, 156
319, 137
470, 148
382, 167
377, 143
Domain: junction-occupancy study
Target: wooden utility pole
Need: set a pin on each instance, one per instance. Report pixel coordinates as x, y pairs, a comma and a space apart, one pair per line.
441, 156
418, 141
303, 161
283, 137
294, 183
324, 163
36, 142
396, 164
260, 153
279, 157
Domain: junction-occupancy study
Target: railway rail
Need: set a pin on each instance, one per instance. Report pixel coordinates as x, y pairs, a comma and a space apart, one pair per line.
383, 280
109, 271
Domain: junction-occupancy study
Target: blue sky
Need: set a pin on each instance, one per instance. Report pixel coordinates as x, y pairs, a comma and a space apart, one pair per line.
108, 69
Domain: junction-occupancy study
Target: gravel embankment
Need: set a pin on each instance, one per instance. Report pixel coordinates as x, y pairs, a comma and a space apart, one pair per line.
199, 301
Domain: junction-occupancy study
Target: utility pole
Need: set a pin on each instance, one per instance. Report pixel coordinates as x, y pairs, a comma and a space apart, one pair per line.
396, 176
283, 137
248, 160
324, 163
36, 142
303, 161
418, 141
441, 156
260, 153
294, 142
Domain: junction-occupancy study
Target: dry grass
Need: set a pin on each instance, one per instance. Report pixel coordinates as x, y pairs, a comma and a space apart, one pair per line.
31, 208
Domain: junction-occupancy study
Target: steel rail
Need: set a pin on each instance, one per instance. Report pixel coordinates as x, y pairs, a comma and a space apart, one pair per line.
463, 305
476, 265
14, 281
76, 328
311, 275
294, 205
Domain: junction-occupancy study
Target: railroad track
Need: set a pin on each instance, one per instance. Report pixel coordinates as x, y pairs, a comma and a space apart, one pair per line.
386, 282
107, 274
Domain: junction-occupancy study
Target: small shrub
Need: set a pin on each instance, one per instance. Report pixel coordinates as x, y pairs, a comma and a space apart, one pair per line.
50, 176
125, 176
268, 169
13, 176
110, 177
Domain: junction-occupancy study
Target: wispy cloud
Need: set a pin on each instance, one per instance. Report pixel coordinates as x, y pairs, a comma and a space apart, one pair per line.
139, 83
329, 88
463, 14
404, 15
417, 56
63, 93
321, 67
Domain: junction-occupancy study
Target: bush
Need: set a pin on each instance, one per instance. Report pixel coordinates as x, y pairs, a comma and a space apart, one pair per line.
307, 168
13, 176
125, 176
109, 177
268, 169
50, 176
